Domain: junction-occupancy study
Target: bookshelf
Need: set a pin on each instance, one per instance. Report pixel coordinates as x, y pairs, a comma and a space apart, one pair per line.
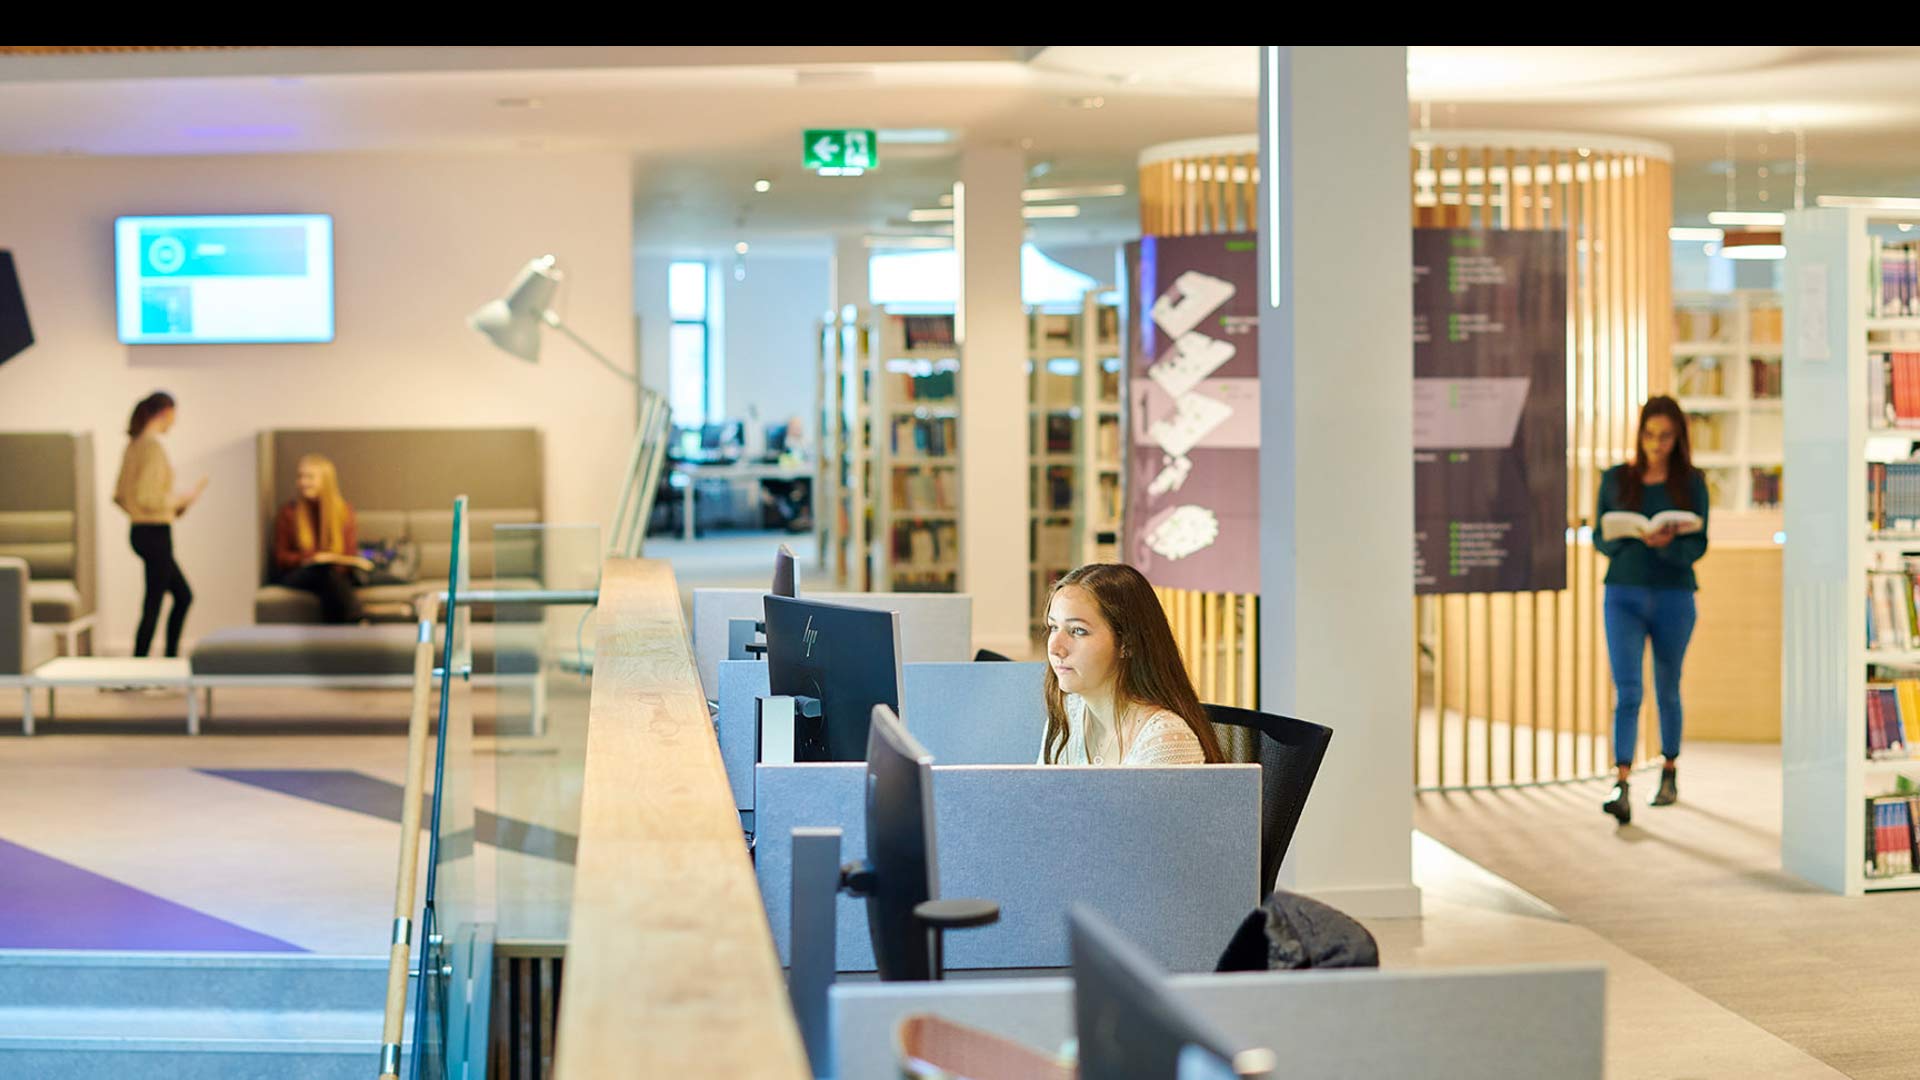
1835, 329
845, 442
1727, 364
826, 453
1073, 440
915, 396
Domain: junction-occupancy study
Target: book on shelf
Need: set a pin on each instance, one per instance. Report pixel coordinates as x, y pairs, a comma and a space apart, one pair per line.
1108, 319
1893, 389
1892, 620
1893, 495
925, 543
1615, 524
1766, 381
1890, 705
1059, 433
1697, 325
1765, 485
1699, 376
1110, 384
1053, 544
925, 436
1707, 431
1057, 494
1107, 506
926, 331
935, 384
1106, 439
1891, 845
1893, 272
1053, 329
923, 490
1765, 325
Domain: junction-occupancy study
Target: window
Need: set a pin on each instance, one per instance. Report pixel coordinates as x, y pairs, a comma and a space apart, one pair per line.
689, 345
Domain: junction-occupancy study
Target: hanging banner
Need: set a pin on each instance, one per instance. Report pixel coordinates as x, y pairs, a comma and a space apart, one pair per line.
1489, 410
1193, 395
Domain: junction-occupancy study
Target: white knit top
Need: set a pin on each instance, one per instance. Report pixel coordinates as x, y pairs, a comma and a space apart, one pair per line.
1164, 739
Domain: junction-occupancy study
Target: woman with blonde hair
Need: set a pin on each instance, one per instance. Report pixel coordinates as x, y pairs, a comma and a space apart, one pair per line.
316, 542
1117, 691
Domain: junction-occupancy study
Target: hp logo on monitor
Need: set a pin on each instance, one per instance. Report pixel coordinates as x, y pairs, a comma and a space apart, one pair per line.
809, 636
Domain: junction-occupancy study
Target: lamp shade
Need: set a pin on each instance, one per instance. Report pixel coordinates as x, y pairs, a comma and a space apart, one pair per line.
513, 323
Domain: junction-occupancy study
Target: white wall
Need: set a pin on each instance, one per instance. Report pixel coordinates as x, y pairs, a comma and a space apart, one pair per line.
420, 240
764, 336
771, 345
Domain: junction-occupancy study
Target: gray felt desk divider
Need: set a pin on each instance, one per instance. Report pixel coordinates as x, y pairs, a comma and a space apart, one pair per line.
964, 714
1171, 854
1495, 1023
933, 626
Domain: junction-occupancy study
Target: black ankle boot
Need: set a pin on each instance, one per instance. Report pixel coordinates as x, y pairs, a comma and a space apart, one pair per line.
1617, 804
1669, 792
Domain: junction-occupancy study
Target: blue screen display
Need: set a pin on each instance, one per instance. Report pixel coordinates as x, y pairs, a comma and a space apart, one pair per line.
224, 280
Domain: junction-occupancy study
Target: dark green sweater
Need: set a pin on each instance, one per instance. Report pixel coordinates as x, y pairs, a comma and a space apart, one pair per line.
1631, 562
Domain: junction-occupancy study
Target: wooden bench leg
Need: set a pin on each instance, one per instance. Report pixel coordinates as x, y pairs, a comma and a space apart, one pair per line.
26, 710
193, 708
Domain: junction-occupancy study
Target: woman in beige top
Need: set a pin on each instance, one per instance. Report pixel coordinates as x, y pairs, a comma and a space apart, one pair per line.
145, 492
1117, 693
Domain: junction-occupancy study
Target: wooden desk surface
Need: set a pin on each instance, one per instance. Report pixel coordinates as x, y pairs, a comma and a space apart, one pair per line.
670, 969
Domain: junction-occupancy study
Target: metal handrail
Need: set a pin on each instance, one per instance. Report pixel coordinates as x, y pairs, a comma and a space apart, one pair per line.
404, 887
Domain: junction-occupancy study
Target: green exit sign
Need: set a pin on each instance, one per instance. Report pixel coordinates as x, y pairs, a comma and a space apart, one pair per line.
840, 148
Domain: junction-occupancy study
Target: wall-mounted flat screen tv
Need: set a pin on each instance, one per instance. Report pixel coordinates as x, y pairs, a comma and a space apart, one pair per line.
226, 279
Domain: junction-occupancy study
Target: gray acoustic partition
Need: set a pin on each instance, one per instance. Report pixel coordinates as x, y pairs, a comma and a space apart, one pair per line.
1170, 854
1496, 1023
933, 626
964, 714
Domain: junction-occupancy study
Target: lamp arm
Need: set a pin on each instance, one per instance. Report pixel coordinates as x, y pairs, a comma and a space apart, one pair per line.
553, 320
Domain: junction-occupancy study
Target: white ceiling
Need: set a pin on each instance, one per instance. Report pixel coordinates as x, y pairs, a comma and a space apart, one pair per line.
701, 123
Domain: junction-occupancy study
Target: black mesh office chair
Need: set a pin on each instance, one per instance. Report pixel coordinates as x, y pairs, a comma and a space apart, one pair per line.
1290, 755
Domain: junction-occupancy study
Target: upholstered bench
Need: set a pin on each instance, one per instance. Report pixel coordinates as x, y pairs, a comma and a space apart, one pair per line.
357, 657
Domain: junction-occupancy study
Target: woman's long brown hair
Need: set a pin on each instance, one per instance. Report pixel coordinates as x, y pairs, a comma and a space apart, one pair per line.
143, 413
1679, 464
1151, 672
329, 533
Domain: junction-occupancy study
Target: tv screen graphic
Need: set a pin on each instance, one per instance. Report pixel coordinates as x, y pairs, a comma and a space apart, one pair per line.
228, 279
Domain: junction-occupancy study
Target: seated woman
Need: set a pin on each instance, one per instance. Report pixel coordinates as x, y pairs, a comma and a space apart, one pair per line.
1117, 693
315, 542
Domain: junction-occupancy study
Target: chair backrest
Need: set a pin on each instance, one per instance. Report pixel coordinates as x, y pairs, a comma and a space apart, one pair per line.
1290, 755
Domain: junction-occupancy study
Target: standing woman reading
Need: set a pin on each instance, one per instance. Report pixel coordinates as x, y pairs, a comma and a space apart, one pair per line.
145, 492
1650, 584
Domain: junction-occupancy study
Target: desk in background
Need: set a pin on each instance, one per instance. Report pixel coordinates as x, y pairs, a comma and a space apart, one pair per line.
732, 472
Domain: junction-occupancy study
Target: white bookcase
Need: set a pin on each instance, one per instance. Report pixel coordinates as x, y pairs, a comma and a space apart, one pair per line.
1074, 440
915, 395
1727, 371
1829, 440
826, 445
842, 498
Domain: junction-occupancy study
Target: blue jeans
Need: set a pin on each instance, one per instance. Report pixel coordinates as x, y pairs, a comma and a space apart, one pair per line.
1635, 613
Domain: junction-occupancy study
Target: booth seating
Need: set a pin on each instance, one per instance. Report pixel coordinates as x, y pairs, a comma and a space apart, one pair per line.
933, 626
402, 483
24, 644
1494, 1023
47, 524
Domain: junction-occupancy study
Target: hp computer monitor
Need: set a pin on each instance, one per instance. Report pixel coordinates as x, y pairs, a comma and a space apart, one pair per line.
786, 574
1129, 1026
846, 658
900, 849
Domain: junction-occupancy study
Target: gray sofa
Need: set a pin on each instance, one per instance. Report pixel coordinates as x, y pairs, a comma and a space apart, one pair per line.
47, 524
402, 483
24, 644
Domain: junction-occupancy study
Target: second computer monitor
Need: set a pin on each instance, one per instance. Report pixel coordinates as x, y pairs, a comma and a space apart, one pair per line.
900, 849
786, 573
846, 658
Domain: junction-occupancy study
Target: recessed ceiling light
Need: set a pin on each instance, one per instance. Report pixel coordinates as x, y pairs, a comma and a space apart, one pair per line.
763, 186
519, 102
1092, 102
835, 170
740, 248
915, 136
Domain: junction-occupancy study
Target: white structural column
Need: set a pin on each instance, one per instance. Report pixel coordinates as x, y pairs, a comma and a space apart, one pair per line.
991, 326
851, 284
1336, 457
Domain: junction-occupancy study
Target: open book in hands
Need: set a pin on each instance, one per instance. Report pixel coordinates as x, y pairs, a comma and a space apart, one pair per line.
1617, 524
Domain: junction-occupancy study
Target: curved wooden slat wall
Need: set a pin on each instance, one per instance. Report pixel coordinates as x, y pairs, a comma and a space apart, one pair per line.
1527, 671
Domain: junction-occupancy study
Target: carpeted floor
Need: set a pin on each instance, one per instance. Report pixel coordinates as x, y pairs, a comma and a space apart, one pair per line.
1697, 891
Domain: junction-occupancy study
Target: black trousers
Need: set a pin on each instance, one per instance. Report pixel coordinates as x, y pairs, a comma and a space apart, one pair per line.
339, 603
154, 545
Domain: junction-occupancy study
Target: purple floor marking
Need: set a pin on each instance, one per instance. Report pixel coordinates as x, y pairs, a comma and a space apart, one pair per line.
49, 904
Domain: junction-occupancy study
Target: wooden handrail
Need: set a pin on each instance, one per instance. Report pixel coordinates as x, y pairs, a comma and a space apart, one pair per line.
403, 891
670, 969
